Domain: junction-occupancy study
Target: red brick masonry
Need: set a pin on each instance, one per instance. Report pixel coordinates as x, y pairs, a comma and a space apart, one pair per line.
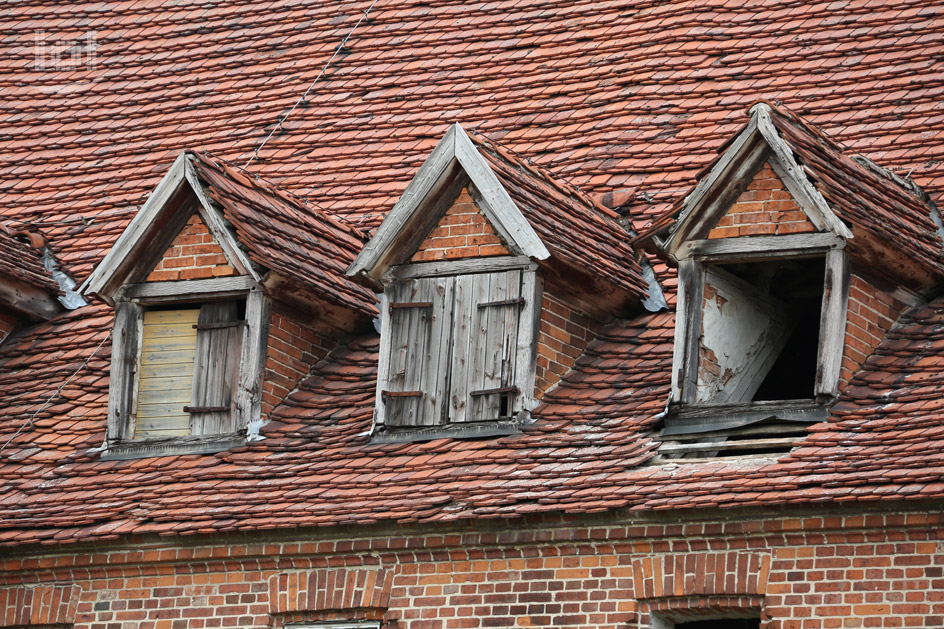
840, 569
193, 255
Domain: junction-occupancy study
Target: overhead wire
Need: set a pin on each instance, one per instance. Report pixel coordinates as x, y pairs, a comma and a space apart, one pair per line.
310, 87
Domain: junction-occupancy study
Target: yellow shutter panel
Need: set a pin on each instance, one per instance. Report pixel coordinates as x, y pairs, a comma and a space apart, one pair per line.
165, 381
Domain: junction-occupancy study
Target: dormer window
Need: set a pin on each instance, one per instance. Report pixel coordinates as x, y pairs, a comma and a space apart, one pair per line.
457, 350
188, 370
761, 326
466, 314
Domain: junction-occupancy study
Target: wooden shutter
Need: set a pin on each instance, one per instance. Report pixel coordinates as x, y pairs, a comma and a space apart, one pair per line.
216, 369
417, 319
486, 331
168, 344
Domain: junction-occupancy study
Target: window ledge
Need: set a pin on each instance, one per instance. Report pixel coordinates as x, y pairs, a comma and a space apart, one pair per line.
449, 431
125, 450
696, 418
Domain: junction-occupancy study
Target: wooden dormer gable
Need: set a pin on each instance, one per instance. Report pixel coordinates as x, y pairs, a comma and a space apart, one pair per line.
180, 207
453, 168
719, 201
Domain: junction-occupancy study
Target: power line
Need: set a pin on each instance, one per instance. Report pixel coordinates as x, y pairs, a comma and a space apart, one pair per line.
305, 95
54, 395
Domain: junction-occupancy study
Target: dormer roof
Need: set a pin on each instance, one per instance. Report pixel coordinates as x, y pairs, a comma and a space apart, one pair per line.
26, 285
885, 218
535, 215
265, 233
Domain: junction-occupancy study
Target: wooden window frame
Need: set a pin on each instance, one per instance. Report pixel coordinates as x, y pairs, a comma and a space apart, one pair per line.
525, 359
130, 303
694, 259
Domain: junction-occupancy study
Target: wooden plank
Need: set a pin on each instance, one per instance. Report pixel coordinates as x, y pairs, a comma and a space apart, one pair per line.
761, 247
440, 350
103, 278
685, 352
832, 327
745, 444
224, 237
529, 323
411, 339
428, 178
810, 199
189, 290
464, 330
124, 368
28, 299
385, 352
167, 348
460, 267
255, 336
215, 370
483, 362
497, 204
689, 221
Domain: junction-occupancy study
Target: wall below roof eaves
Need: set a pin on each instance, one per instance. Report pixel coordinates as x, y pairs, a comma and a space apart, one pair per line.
296, 342
831, 566
563, 337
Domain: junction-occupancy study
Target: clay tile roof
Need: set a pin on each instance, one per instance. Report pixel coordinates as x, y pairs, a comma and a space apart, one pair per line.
573, 225
285, 234
866, 195
22, 262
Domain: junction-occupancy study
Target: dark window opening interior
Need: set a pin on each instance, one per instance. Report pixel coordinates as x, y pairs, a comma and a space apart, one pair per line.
721, 623
796, 285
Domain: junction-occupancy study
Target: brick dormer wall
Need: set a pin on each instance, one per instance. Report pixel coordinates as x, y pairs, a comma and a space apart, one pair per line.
462, 232
194, 255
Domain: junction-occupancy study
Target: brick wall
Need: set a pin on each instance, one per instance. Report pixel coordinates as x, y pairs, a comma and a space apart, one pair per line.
846, 567
463, 232
296, 343
562, 338
870, 315
193, 255
764, 209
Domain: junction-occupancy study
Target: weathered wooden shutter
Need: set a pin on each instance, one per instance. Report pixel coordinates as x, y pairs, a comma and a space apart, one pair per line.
417, 319
215, 369
168, 344
486, 330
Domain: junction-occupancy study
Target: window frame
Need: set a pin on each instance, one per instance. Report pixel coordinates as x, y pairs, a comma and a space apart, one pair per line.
525, 359
131, 301
696, 256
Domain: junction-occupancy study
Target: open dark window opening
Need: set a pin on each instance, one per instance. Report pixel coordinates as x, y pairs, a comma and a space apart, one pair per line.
760, 330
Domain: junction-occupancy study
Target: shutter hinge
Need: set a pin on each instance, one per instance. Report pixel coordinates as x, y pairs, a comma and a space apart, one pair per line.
206, 409
494, 391
401, 393
217, 326
504, 302
411, 304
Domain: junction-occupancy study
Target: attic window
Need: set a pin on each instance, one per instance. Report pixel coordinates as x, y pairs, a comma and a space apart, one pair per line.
189, 359
457, 354
184, 366
758, 343
760, 325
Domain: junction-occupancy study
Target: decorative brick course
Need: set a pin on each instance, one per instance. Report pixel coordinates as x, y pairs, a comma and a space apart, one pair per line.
463, 232
562, 338
847, 568
195, 254
871, 312
765, 208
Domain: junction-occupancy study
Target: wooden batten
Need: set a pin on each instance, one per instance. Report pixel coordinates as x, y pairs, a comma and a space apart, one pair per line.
27, 299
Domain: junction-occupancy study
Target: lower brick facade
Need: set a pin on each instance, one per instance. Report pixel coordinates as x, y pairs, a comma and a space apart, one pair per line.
793, 569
